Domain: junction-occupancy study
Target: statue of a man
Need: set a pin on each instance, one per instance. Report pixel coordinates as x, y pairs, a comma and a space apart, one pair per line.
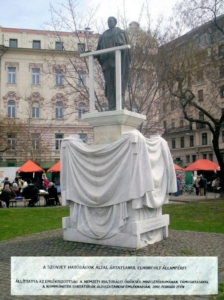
113, 37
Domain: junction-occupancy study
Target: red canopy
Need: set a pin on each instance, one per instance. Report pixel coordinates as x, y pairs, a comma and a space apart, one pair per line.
177, 168
29, 166
55, 168
203, 165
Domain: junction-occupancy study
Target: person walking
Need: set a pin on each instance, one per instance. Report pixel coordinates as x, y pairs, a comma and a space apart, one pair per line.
197, 185
201, 184
205, 185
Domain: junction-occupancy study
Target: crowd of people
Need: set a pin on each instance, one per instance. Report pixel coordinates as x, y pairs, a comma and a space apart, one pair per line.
28, 190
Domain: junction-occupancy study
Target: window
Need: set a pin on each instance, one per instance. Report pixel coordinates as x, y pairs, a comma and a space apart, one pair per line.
189, 81
222, 154
35, 75
164, 107
35, 110
134, 108
82, 137
204, 139
81, 110
182, 142
221, 71
199, 76
82, 78
201, 117
210, 156
191, 141
11, 163
204, 156
59, 110
172, 124
35, 141
11, 141
58, 140
36, 44
58, 46
173, 143
221, 50
11, 75
58, 77
187, 159
164, 124
11, 109
222, 92
13, 43
181, 123
172, 105
139, 83
193, 158
81, 47
200, 95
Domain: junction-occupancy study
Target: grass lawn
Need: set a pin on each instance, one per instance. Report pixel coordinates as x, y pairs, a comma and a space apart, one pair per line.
22, 221
202, 217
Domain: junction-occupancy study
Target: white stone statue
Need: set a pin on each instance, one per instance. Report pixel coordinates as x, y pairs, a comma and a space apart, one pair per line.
116, 191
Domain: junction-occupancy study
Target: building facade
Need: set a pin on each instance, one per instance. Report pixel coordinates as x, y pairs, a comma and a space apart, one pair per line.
197, 60
43, 93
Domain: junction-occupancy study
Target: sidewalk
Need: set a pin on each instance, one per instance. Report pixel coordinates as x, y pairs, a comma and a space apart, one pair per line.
193, 198
51, 243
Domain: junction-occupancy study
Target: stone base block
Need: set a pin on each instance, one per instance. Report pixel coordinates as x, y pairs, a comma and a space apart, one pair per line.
156, 227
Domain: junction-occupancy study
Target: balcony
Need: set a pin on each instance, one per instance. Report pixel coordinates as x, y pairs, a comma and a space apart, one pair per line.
178, 129
199, 125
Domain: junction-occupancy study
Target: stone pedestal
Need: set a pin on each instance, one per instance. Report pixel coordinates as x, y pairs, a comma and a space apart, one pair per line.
109, 126
142, 224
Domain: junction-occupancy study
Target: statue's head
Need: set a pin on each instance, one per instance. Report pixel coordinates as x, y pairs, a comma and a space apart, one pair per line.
112, 22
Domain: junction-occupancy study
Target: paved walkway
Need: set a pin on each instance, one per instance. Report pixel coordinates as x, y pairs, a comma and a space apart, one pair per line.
194, 198
51, 243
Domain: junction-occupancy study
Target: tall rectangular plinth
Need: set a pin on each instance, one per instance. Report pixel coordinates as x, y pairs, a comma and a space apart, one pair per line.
109, 126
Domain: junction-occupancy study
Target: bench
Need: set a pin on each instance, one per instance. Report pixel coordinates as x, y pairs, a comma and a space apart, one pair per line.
24, 201
51, 200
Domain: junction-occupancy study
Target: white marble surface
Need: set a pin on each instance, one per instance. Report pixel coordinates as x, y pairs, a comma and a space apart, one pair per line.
114, 188
114, 275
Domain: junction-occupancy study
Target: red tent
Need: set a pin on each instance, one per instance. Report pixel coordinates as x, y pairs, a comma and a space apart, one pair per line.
203, 165
29, 166
55, 168
177, 168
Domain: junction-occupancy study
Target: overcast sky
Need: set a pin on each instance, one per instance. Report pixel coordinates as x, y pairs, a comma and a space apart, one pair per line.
30, 14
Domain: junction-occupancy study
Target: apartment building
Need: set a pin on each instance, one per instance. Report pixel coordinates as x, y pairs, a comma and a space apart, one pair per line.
43, 93
198, 64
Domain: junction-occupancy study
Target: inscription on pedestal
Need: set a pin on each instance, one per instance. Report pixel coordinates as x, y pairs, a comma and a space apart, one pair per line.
150, 224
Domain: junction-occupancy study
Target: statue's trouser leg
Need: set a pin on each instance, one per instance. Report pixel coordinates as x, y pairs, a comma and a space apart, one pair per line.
109, 76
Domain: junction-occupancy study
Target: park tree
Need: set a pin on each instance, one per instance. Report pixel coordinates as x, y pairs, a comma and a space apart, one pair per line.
194, 73
145, 71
